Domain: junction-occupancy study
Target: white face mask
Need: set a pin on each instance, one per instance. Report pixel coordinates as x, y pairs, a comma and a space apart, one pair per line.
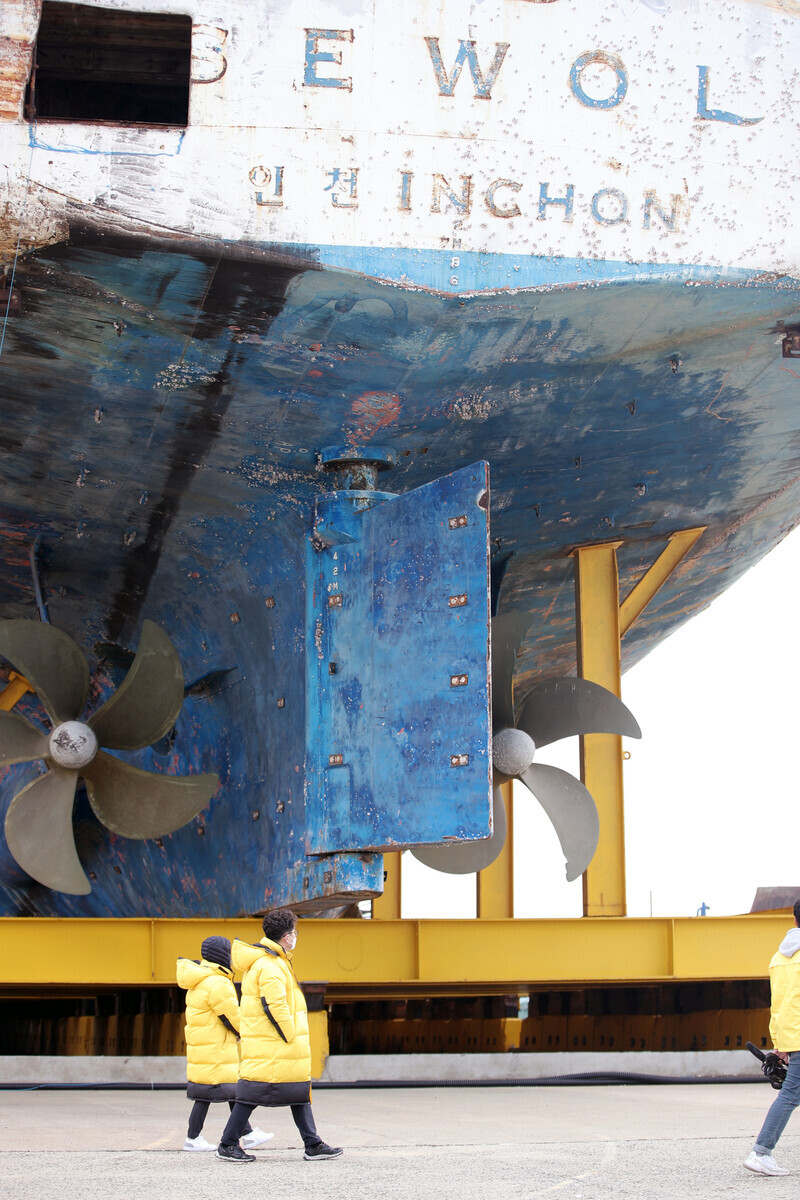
291, 940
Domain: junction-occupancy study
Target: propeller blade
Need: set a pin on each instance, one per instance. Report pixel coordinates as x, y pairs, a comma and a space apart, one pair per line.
465, 858
19, 741
52, 663
508, 630
559, 708
39, 832
147, 702
572, 813
141, 804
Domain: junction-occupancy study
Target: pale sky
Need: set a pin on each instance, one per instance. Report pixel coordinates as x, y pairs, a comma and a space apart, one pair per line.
711, 794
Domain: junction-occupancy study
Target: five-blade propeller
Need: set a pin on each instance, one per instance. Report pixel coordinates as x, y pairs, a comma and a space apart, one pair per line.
127, 800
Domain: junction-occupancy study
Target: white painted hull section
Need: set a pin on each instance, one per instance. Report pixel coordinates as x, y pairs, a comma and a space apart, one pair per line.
378, 157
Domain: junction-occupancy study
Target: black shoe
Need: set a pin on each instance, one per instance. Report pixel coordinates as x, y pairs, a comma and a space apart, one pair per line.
234, 1153
322, 1150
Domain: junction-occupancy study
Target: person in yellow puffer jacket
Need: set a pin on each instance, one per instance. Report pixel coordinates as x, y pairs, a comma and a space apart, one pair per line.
276, 1051
784, 1029
212, 1038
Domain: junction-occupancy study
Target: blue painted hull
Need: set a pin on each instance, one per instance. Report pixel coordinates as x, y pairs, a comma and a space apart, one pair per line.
162, 409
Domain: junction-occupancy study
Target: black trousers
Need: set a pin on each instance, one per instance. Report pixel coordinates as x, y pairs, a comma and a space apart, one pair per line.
240, 1116
198, 1116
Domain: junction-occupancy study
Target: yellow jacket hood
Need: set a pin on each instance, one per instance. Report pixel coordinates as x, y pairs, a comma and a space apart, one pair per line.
189, 972
245, 954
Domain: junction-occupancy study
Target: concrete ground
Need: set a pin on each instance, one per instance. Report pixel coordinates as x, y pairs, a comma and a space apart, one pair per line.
671, 1142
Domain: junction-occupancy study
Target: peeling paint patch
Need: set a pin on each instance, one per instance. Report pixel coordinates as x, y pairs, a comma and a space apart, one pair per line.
371, 412
471, 408
258, 471
185, 375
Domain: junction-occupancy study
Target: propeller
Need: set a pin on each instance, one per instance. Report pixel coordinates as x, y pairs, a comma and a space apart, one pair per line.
555, 708
127, 800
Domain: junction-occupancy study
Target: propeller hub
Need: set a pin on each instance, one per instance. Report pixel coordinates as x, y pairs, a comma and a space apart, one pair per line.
512, 751
73, 745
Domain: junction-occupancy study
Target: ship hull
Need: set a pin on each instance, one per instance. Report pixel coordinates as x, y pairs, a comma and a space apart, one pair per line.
165, 415
589, 283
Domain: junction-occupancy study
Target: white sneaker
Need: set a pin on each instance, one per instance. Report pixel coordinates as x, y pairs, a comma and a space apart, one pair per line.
198, 1143
763, 1164
256, 1137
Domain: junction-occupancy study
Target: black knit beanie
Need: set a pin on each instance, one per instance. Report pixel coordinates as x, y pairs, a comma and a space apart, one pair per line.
217, 950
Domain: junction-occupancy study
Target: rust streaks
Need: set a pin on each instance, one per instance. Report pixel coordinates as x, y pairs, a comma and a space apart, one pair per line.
19, 22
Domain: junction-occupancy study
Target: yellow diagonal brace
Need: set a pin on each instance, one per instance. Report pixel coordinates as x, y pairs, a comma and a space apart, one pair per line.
597, 609
387, 906
14, 690
496, 882
679, 545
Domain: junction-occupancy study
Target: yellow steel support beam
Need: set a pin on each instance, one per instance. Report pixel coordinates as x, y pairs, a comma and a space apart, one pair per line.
597, 611
14, 690
601, 622
387, 907
362, 958
495, 884
640, 596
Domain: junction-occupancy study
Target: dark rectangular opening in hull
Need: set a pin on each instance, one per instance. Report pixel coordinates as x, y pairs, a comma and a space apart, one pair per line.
105, 65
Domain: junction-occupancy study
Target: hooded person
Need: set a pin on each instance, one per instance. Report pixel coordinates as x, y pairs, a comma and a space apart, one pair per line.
784, 1029
275, 1068
212, 1038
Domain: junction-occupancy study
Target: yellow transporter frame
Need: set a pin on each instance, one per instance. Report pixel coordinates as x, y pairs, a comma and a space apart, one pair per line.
397, 958
358, 959
493, 955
